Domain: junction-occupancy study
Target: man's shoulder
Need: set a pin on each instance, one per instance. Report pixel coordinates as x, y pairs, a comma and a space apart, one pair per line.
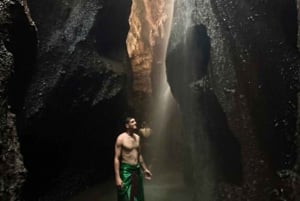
124, 134
136, 135
121, 135
120, 138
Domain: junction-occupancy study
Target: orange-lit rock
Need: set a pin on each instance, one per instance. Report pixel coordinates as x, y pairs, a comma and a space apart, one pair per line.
149, 27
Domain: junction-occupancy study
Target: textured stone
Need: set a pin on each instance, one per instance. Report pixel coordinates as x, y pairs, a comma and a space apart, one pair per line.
76, 98
12, 171
253, 62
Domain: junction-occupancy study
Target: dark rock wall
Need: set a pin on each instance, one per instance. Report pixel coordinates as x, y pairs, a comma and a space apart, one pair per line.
12, 170
247, 98
70, 97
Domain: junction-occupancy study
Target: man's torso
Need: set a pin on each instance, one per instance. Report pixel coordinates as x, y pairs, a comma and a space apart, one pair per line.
130, 148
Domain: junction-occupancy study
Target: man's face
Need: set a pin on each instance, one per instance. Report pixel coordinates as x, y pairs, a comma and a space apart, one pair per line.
131, 124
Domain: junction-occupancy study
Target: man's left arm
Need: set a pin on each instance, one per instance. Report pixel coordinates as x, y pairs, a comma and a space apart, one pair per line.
147, 172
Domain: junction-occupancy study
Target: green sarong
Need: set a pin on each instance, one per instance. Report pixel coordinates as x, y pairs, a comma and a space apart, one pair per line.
132, 188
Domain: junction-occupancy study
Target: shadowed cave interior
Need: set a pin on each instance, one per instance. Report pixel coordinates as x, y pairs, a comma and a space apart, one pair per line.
70, 106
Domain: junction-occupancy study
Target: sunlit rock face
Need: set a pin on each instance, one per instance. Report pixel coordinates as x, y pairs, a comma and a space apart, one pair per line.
139, 47
75, 98
237, 85
146, 44
12, 17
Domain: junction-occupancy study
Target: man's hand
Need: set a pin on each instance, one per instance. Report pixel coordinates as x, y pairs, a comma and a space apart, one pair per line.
147, 174
119, 183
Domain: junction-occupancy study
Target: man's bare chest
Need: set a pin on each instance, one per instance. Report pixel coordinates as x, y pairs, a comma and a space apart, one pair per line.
130, 143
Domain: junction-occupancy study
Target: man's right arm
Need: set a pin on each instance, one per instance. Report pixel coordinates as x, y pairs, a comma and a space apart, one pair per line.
118, 147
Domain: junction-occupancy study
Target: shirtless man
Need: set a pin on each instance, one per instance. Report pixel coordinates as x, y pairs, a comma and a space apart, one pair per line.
128, 162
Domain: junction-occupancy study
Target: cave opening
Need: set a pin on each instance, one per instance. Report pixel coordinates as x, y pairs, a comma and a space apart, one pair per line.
156, 108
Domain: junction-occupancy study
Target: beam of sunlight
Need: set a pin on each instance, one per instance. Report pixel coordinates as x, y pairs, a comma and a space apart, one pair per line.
147, 43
